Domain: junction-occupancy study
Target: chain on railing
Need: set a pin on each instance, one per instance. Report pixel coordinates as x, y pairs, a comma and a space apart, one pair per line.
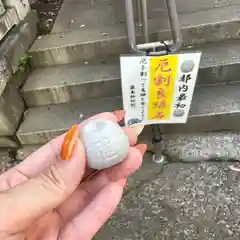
145, 48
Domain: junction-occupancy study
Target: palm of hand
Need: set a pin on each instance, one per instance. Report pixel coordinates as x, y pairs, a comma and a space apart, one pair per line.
63, 206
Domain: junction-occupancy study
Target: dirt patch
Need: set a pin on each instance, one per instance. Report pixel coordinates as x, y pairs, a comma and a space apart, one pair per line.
47, 12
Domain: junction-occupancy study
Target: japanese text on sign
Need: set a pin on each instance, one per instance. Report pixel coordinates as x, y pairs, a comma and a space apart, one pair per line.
158, 89
132, 96
143, 80
161, 87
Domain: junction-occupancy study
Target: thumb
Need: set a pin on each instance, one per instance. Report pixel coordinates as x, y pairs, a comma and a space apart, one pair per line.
26, 202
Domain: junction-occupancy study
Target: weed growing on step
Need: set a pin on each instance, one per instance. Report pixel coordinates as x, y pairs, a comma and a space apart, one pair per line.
24, 64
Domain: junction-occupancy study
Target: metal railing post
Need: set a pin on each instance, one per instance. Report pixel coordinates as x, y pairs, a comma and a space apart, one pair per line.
139, 13
144, 20
174, 45
175, 25
131, 34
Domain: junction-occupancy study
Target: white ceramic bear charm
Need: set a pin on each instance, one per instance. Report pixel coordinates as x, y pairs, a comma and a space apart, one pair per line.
105, 142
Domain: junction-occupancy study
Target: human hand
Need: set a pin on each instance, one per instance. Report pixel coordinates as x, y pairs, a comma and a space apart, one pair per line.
47, 198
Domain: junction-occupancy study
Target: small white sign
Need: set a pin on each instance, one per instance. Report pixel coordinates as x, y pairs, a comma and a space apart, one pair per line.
158, 89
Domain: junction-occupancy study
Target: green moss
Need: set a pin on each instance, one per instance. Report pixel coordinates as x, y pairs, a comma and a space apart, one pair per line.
24, 64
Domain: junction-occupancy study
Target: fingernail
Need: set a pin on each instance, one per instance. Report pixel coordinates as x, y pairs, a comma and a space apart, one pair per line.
138, 128
69, 143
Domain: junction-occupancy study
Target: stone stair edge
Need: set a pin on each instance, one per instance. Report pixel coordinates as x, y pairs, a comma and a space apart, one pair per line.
120, 29
86, 44
73, 82
214, 108
74, 14
208, 50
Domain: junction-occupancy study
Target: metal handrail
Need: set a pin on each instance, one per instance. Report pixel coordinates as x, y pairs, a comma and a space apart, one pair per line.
144, 15
139, 13
174, 45
131, 34
142, 49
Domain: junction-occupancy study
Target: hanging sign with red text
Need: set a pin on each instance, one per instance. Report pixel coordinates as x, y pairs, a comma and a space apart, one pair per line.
158, 89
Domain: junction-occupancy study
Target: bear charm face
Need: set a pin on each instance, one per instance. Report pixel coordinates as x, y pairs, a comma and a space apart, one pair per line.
105, 142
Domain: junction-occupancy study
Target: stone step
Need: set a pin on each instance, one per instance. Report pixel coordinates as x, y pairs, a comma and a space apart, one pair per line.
75, 82
155, 7
75, 13
101, 40
214, 108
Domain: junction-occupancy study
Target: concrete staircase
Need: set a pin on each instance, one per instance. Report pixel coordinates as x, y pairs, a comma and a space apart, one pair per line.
76, 68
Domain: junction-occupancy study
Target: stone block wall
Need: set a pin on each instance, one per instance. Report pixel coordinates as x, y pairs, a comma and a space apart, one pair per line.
18, 26
22, 7
2, 8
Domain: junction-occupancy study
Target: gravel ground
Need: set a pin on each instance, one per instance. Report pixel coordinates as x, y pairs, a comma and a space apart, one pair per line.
184, 202
47, 12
